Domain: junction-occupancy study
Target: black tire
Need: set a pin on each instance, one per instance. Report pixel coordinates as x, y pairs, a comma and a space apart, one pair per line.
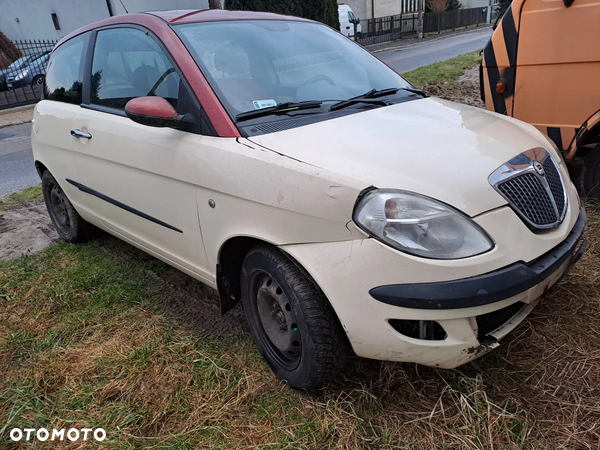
300, 337
590, 175
39, 79
68, 223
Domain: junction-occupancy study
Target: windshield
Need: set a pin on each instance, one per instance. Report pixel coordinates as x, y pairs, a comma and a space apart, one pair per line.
40, 61
258, 64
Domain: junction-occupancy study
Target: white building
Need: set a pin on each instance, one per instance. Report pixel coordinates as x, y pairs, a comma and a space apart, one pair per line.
368, 9
53, 19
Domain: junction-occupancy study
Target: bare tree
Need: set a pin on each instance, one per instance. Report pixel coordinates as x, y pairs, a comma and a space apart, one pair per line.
437, 5
214, 4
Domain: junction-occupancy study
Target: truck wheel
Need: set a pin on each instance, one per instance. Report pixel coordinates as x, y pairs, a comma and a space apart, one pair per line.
68, 223
291, 321
590, 174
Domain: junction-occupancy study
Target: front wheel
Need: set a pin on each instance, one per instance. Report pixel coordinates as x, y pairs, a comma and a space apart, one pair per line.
590, 174
291, 321
38, 80
68, 223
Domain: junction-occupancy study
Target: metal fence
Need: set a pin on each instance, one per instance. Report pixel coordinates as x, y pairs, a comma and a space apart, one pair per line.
389, 28
449, 20
22, 82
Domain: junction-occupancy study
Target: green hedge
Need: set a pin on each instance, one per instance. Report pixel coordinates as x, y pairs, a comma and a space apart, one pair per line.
325, 11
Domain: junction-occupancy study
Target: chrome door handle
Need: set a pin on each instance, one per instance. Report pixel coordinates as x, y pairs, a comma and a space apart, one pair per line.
80, 134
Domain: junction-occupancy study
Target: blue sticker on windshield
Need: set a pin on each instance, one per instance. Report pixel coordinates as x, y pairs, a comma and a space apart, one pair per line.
260, 104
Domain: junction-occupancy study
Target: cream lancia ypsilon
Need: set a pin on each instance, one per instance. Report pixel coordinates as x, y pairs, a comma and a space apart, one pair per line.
272, 158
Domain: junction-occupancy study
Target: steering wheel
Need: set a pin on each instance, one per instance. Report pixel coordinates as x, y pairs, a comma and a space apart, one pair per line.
321, 77
159, 82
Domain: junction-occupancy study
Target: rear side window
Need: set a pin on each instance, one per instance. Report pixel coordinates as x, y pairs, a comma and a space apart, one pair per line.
64, 75
127, 64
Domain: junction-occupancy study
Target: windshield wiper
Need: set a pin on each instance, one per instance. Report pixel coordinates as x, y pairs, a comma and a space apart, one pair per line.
372, 97
280, 108
415, 91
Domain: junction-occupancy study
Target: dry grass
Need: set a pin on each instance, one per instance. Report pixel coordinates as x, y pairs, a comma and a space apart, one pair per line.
86, 339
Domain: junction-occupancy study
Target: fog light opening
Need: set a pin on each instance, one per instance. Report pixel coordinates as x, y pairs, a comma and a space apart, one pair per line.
427, 330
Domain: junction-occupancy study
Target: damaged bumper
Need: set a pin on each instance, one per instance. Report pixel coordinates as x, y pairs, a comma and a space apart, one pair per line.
442, 324
488, 288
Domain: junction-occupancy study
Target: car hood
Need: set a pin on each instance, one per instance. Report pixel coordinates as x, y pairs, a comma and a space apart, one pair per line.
436, 148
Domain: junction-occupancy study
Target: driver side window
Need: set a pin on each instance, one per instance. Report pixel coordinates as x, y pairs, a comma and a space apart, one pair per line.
127, 63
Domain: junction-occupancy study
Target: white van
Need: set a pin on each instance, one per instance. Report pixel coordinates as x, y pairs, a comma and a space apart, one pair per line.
347, 20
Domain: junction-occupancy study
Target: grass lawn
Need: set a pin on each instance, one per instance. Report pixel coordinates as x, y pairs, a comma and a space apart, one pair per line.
27, 196
448, 71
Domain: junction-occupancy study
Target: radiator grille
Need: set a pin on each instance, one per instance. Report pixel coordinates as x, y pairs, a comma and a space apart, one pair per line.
528, 195
555, 184
533, 187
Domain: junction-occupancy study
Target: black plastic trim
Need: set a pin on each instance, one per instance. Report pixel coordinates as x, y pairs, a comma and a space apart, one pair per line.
104, 109
485, 289
87, 68
87, 190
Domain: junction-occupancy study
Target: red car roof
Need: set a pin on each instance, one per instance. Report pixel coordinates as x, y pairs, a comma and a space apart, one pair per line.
214, 15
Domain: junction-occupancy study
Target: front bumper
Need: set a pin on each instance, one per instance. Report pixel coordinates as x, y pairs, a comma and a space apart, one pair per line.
464, 318
19, 83
490, 287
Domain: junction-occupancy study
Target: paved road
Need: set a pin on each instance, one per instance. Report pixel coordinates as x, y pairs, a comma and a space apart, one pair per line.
428, 52
16, 159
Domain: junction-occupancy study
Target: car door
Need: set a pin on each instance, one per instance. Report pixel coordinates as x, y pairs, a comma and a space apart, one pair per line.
53, 116
138, 179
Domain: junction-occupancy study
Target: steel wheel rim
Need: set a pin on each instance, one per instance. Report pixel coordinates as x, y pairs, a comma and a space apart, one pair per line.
58, 208
39, 80
279, 329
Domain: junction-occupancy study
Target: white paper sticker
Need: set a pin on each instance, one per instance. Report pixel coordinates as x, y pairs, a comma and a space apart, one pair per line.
260, 104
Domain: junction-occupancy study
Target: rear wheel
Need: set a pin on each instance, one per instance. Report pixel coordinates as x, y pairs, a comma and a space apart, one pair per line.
68, 223
590, 174
292, 323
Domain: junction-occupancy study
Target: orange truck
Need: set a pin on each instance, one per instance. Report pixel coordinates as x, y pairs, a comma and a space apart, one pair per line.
542, 66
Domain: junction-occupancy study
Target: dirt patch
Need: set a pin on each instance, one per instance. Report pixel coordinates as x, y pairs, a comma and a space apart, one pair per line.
465, 91
24, 230
196, 305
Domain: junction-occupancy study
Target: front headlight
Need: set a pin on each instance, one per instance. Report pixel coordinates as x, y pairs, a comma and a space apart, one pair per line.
21, 75
419, 225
